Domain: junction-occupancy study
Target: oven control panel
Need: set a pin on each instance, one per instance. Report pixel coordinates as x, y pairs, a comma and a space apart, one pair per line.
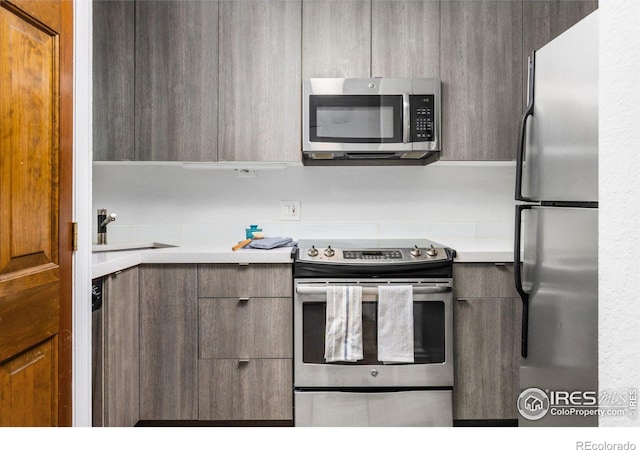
372, 256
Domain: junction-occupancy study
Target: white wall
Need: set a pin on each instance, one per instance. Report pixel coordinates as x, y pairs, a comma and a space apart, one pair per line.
619, 299
187, 205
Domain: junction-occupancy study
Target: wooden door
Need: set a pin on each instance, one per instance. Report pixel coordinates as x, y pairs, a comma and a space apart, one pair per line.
35, 212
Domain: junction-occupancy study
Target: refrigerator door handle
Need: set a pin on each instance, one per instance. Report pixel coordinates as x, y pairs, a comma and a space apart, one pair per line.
517, 270
523, 126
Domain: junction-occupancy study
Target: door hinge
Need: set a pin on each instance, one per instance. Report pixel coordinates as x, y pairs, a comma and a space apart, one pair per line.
74, 236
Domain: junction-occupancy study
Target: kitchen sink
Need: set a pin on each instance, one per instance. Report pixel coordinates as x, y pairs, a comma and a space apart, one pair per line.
129, 246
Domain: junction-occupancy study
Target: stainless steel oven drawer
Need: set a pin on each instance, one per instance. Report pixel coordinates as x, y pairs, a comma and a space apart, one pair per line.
427, 408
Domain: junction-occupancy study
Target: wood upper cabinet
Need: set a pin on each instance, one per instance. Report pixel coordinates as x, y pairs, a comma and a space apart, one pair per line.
260, 80
336, 40
481, 71
168, 342
405, 38
383, 38
176, 79
487, 324
113, 80
155, 80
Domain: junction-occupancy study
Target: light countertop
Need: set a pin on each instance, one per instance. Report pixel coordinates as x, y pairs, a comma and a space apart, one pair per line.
104, 263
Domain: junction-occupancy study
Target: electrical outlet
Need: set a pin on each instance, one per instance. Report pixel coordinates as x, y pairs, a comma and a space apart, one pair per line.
289, 210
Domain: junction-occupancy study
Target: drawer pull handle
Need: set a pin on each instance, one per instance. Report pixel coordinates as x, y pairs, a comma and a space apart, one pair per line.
243, 361
243, 299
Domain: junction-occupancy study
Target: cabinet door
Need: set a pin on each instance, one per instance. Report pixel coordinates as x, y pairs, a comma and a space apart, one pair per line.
481, 67
176, 87
121, 353
113, 80
405, 38
168, 342
256, 389
253, 328
337, 38
487, 324
487, 358
260, 80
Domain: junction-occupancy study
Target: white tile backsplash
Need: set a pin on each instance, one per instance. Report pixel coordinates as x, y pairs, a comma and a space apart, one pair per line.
169, 203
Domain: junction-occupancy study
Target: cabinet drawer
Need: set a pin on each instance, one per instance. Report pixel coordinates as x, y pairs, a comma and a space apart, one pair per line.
255, 389
254, 280
483, 280
239, 328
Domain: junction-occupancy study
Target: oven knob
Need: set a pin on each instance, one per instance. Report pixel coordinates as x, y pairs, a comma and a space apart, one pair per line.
329, 252
313, 251
415, 251
432, 251
374, 373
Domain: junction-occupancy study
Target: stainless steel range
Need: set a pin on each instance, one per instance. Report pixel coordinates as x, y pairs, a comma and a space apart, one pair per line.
373, 333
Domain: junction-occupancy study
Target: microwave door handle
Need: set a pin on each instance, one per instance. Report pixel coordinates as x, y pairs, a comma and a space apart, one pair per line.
406, 119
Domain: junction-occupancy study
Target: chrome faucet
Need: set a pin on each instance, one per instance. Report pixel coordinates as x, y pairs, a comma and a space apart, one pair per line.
103, 221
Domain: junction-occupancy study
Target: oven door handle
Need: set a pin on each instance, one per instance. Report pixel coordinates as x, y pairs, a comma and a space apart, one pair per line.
322, 290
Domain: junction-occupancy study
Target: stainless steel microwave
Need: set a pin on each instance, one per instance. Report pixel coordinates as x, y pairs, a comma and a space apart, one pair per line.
371, 120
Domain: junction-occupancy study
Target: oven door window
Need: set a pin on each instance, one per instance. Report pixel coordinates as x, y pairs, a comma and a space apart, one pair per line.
428, 333
355, 118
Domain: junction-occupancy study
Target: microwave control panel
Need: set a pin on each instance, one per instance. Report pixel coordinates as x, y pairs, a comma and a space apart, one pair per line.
422, 117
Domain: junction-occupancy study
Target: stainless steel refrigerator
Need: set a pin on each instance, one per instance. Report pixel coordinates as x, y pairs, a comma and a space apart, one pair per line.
556, 234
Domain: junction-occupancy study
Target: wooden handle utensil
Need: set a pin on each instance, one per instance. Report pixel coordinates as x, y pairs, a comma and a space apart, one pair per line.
239, 245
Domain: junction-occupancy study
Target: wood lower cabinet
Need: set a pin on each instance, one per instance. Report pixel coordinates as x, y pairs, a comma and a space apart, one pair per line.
245, 342
245, 389
117, 352
245, 328
168, 342
487, 326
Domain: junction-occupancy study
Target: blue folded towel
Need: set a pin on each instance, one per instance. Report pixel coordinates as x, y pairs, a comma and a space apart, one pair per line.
273, 242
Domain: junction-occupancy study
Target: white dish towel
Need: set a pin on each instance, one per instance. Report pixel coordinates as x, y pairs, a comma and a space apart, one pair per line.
395, 324
343, 333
